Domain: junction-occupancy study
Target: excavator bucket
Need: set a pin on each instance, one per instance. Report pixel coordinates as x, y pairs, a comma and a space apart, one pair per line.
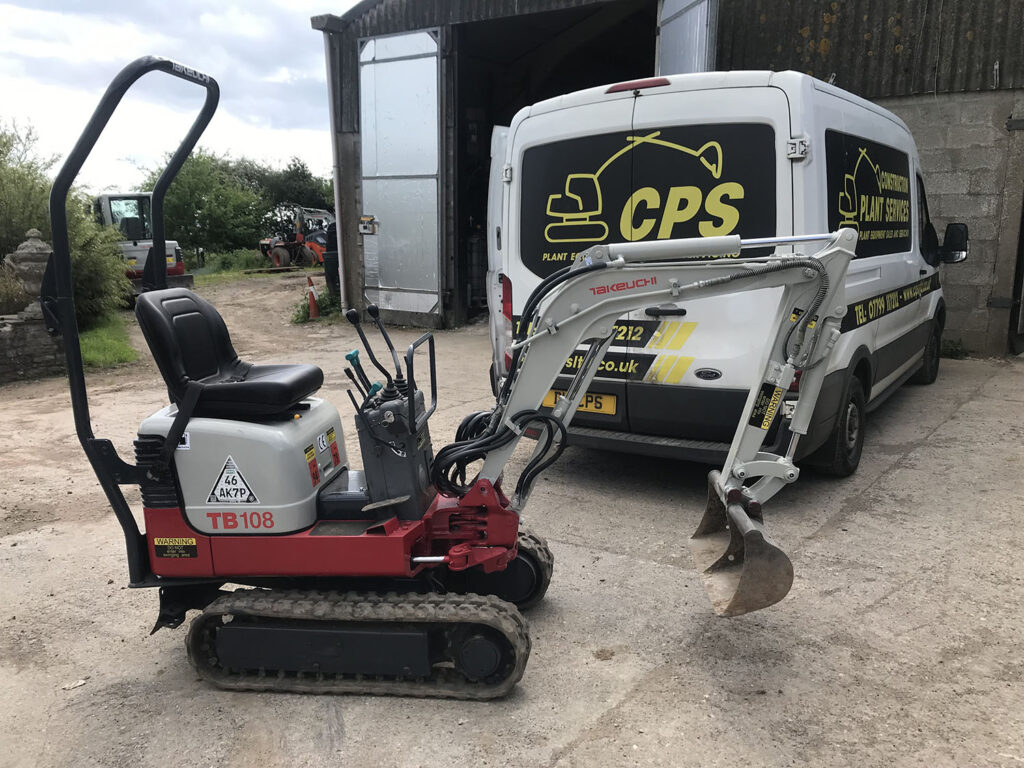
742, 569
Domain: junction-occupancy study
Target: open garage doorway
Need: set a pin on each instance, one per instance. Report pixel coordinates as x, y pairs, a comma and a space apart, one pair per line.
505, 64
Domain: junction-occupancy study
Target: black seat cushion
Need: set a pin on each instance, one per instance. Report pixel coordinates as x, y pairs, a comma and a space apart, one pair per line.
190, 342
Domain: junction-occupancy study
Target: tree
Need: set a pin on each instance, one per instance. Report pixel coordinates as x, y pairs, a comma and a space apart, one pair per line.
97, 266
24, 187
221, 204
211, 205
297, 184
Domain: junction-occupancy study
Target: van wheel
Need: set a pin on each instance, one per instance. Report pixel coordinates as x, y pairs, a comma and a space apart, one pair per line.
840, 455
929, 370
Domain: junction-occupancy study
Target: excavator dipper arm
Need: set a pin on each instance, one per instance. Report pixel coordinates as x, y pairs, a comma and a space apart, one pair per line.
582, 303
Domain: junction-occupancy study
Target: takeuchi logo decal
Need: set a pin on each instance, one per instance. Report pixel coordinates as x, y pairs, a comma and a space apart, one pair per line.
640, 282
577, 213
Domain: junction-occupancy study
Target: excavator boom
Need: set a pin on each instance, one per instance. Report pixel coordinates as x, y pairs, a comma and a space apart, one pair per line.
741, 568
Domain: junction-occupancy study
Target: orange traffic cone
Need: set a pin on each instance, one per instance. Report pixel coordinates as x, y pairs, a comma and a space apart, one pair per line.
314, 308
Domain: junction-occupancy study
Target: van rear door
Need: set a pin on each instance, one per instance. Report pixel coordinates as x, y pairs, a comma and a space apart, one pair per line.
706, 162
568, 167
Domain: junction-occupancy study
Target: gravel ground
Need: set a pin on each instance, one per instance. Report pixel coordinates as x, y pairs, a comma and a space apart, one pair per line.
898, 645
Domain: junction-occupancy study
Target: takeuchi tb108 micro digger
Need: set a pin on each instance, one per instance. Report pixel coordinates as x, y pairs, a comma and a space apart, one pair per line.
408, 576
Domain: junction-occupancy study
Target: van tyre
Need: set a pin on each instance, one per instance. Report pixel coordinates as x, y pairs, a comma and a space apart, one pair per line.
929, 370
840, 455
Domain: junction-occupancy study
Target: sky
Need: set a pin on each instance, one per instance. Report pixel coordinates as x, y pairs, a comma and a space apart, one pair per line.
58, 56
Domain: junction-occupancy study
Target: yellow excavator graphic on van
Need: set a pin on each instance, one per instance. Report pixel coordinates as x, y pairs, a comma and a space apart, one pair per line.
849, 207
578, 207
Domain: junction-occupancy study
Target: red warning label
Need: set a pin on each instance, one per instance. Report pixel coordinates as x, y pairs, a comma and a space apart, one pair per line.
333, 440
314, 470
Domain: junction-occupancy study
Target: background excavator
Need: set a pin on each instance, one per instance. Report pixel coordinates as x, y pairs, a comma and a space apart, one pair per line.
408, 576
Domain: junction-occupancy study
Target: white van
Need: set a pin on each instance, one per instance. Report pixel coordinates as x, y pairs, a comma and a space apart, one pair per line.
753, 153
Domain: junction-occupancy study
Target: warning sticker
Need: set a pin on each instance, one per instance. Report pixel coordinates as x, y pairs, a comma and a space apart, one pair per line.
314, 469
175, 547
231, 487
766, 406
332, 438
797, 313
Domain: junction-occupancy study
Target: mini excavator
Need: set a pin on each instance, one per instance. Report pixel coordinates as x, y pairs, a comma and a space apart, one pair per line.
408, 576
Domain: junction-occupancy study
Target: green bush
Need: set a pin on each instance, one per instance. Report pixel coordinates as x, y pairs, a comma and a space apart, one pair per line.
97, 266
209, 206
24, 187
12, 295
329, 304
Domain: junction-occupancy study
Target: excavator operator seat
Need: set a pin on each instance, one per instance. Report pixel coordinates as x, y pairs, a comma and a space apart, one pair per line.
190, 343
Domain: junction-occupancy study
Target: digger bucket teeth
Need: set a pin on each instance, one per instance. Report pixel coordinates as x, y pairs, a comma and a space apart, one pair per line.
742, 569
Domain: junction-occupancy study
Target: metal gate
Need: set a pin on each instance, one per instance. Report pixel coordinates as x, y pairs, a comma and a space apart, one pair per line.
399, 136
686, 36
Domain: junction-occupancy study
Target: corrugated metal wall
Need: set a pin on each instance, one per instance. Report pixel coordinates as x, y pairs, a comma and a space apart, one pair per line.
382, 17
880, 48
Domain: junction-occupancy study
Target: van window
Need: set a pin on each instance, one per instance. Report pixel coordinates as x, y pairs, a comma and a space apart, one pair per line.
868, 190
676, 181
929, 239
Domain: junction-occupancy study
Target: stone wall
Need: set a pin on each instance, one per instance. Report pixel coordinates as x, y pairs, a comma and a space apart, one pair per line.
27, 351
973, 168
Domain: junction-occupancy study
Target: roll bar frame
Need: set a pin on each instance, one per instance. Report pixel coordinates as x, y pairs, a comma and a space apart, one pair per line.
57, 299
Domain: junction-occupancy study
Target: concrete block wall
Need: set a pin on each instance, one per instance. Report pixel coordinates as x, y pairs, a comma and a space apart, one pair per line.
973, 169
27, 351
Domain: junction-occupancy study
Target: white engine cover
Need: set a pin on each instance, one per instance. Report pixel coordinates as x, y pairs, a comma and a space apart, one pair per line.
242, 477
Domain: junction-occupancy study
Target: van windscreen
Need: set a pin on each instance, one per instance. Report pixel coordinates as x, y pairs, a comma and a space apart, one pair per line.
655, 184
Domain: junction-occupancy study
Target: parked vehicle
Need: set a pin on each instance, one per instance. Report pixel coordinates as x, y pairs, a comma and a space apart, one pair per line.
758, 154
131, 213
301, 238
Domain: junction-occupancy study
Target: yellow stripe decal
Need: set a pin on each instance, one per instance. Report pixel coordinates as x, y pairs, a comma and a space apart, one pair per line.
680, 337
665, 331
652, 374
676, 374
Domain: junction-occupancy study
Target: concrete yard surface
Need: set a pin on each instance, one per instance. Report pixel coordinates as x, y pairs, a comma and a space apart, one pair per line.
900, 643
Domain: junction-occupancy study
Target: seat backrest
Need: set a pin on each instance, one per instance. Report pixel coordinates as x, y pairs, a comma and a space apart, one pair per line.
187, 336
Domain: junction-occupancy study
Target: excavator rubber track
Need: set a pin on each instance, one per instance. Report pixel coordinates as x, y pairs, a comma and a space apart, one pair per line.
457, 646
537, 547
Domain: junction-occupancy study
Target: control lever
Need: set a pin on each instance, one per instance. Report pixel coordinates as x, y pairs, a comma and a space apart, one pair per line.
400, 383
389, 392
364, 380
359, 384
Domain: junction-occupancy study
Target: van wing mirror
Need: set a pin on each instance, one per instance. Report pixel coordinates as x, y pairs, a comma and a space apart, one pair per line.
955, 245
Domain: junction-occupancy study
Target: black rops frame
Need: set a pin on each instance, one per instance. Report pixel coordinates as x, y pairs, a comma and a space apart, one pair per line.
58, 302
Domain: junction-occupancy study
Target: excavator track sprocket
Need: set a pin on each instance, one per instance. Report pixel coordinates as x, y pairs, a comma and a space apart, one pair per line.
432, 645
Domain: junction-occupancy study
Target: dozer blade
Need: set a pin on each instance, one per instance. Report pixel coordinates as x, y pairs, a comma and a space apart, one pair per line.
742, 569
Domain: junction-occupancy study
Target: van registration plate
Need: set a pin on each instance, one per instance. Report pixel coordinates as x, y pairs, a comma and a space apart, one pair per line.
592, 402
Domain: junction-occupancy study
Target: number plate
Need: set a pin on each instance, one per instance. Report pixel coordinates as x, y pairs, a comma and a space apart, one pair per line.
592, 402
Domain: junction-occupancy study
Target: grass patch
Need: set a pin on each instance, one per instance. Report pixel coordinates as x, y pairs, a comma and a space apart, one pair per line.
106, 343
218, 278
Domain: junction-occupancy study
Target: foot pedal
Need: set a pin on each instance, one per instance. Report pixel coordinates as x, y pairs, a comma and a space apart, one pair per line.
741, 568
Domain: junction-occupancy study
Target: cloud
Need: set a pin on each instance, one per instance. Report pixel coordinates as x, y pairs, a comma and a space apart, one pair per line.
60, 55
